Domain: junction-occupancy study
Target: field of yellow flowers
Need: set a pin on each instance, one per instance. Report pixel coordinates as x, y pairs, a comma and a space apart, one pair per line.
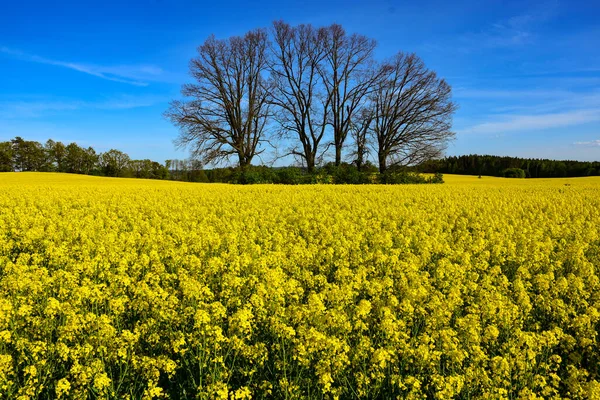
478, 288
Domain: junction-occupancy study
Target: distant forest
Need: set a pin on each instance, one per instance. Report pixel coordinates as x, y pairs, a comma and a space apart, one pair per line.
474, 164
24, 155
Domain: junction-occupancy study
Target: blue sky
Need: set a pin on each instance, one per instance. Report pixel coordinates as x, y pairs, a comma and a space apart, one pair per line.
526, 75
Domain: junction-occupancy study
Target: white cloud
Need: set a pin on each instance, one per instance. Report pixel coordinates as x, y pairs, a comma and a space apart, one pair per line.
534, 101
591, 143
24, 109
516, 31
464, 92
514, 123
129, 74
529, 109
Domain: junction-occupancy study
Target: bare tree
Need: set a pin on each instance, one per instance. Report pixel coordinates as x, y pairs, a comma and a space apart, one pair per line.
412, 113
359, 130
228, 110
348, 74
302, 108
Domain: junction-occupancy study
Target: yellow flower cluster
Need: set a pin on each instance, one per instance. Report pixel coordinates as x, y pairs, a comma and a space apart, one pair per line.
131, 289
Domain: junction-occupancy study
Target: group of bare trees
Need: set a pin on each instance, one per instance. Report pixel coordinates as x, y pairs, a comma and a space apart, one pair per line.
304, 90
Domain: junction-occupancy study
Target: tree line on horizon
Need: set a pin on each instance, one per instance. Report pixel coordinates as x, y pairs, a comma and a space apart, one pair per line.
28, 156
19, 154
311, 93
54, 156
474, 164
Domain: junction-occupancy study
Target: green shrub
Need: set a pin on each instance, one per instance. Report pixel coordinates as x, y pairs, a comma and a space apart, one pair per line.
288, 176
437, 178
328, 174
198, 176
401, 177
223, 175
253, 175
348, 174
344, 174
513, 173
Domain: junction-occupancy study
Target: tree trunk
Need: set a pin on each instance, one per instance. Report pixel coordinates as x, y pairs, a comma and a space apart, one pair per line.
360, 155
382, 162
243, 160
338, 155
310, 162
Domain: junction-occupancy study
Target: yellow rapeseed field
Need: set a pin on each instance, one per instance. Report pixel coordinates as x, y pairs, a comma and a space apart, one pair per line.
477, 288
